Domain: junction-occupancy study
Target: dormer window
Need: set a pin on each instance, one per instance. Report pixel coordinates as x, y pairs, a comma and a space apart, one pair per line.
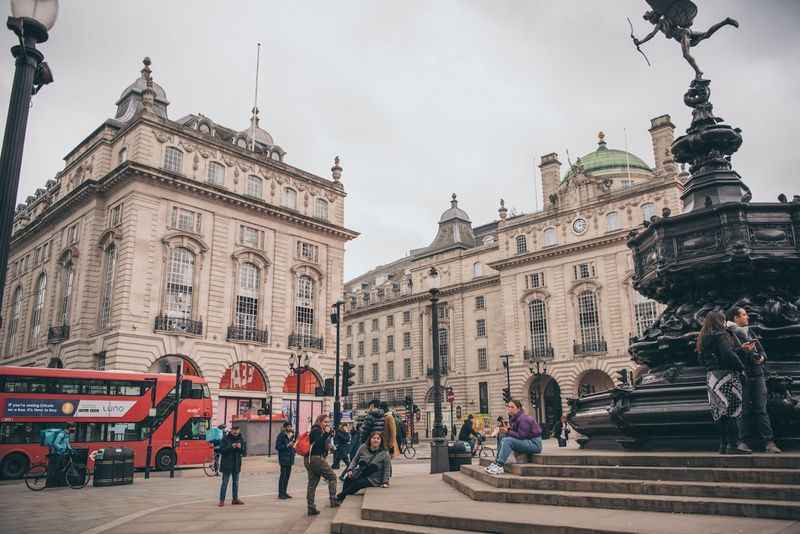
204, 129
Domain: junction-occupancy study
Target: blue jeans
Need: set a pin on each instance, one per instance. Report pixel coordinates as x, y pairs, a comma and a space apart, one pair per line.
224, 488
525, 446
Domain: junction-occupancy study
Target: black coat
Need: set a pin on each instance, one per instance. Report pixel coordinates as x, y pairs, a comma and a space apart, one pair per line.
466, 431
319, 441
285, 451
373, 423
232, 456
720, 352
342, 439
744, 335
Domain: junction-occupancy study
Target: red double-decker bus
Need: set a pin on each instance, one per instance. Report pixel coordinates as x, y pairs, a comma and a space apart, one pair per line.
108, 409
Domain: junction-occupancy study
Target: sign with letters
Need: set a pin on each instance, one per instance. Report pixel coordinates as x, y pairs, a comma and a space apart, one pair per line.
66, 408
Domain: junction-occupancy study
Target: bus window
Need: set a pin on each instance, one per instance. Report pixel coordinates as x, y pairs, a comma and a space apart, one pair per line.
126, 432
206, 391
19, 432
194, 429
95, 387
90, 432
67, 386
186, 389
197, 391
16, 385
118, 387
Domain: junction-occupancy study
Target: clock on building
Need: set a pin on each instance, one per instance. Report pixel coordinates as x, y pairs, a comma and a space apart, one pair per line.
579, 225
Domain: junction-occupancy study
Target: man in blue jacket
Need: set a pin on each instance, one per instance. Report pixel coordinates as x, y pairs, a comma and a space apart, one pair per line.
285, 447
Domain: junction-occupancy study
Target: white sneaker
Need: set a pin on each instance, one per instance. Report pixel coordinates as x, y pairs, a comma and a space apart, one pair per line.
489, 467
495, 469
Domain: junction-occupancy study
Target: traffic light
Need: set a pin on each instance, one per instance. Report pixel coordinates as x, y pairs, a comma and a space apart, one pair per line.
409, 404
348, 372
506, 395
623, 375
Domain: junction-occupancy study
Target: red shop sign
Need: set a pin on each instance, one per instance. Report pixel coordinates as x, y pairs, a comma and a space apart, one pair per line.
244, 376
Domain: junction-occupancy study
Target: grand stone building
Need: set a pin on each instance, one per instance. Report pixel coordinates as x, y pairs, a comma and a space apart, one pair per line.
551, 289
165, 241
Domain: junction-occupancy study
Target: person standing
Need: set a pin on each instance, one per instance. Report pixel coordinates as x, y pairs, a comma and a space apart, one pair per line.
316, 462
285, 446
467, 433
525, 437
355, 439
754, 389
389, 431
561, 431
374, 421
716, 352
370, 467
231, 450
342, 443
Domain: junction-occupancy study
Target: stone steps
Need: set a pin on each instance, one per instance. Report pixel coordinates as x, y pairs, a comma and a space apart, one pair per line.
348, 521
771, 509
760, 461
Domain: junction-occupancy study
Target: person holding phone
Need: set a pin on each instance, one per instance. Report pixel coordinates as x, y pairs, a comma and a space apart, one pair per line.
231, 450
316, 462
285, 446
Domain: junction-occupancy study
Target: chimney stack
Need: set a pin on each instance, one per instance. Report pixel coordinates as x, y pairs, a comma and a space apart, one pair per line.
550, 169
662, 133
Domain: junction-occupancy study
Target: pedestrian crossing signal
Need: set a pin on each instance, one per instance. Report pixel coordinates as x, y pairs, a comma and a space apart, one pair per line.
506, 395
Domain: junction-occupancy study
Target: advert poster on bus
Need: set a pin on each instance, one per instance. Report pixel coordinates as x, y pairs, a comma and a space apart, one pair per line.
66, 408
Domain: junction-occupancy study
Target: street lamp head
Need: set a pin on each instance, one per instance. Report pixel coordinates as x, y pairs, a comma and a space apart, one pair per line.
292, 360
433, 280
33, 18
306, 360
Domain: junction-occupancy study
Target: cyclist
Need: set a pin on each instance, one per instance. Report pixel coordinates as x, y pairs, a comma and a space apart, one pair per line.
59, 449
214, 437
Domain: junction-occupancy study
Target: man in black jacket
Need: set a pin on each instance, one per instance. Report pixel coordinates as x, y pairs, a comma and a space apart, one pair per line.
285, 447
755, 416
316, 463
231, 450
342, 443
374, 421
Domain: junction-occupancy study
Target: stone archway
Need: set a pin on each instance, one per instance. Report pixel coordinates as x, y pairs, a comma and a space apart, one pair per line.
544, 401
593, 381
170, 362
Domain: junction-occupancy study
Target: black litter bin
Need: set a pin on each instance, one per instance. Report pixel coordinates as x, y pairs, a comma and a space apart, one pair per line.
113, 467
458, 453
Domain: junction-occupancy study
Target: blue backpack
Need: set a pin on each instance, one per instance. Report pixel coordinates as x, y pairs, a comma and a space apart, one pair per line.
48, 436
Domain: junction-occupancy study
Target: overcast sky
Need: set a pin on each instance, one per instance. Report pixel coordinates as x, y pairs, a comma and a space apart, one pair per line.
422, 99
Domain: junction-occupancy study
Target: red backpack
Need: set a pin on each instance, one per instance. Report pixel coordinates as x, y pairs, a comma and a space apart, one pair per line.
303, 444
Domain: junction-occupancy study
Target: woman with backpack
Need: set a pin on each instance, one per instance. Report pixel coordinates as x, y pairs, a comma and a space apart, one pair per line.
316, 462
371, 467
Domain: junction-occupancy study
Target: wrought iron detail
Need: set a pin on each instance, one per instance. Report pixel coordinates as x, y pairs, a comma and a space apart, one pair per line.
305, 342
240, 333
590, 347
164, 323
57, 334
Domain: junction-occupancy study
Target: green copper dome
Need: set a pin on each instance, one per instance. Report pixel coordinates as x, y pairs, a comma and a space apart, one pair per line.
606, 159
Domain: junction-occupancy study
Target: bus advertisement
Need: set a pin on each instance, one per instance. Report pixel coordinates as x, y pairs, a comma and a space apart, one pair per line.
107, 409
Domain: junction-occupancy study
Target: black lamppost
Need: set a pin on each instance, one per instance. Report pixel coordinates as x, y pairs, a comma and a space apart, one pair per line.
507, 356
30, 20
439, 459
297, 366
540, 370
336, 318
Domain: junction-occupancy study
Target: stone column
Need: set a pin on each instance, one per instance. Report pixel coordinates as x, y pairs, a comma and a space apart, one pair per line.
550, 169
662, 133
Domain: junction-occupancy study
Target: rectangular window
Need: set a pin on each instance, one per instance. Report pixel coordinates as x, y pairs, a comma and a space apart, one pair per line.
407, 368
444, 347
115, 216
186, 220
374, 325
250, 237
72, 234
375, 372
349, 330
480, 302
389, 343
361, 328
349, 350
375, 345
583, 271
612, 221
442, 310
522, 244
173, 159
307, 251
534, 280
360, 374
646, 314
216, 173
390, 321
390, 371
360, 349
483, 397
406, 317
406, 340
483, 363
321, 209
255, 187
480, 327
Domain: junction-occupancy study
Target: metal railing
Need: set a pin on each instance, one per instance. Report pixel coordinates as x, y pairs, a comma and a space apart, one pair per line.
164, 323
305, 341
246, 333
57, 334
539, 354
591, 346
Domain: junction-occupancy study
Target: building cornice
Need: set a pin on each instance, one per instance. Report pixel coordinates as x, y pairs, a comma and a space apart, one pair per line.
484, 281
618, 236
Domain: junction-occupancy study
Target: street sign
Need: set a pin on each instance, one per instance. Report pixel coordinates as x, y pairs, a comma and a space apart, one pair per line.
450, 395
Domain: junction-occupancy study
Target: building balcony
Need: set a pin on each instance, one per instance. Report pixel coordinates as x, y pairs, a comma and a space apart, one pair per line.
179, 325
590, 347
57, 334
539, 354
244, 333
305, 342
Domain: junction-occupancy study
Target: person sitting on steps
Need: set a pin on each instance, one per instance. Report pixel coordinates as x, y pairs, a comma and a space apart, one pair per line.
524, 437
370, 467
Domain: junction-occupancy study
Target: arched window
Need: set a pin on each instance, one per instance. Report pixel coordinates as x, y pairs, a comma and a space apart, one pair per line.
123, 155
612, 221
173, 159
107, 290
204, 128
589, 323
247, 299
322, 209
38, 306
180, 283
476, 268
522, 244
290, 198
444, 349
68, 278
645, 313
648, 211
216, 173
304, 310
537, 327
550, 237
13, 323
255, 186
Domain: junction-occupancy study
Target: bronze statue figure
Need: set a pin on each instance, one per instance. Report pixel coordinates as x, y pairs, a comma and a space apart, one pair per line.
674, 19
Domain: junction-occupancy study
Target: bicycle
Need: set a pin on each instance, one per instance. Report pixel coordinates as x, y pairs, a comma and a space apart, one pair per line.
75, 474
482, 451
211, 469
408, 450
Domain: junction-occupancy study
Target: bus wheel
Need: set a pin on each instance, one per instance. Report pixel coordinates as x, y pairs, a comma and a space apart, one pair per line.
165, 459
14, 466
